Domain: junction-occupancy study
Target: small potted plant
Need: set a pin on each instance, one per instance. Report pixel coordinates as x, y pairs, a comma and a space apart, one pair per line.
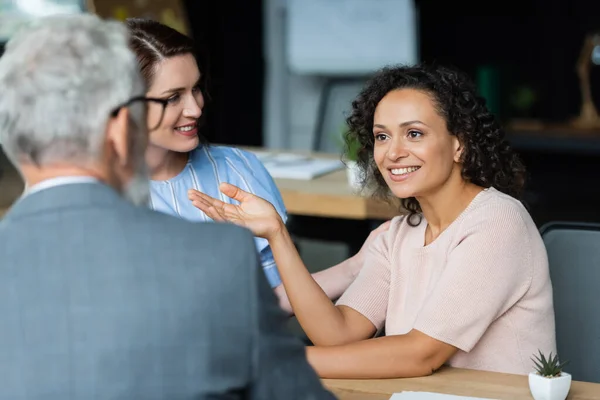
351, 155
549, 381
350, 147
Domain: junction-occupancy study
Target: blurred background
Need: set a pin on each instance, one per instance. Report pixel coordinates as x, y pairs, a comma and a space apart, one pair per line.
281, 74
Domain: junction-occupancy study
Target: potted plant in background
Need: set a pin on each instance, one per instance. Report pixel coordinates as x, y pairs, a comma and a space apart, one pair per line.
351, 155
549, 381
350, 148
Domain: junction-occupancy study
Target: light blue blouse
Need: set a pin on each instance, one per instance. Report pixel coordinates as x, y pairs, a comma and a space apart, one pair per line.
207, 167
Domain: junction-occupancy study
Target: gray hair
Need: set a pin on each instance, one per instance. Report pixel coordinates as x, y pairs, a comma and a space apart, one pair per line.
61, 77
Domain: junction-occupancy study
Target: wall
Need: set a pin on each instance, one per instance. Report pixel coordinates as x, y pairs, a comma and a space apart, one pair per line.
284, 91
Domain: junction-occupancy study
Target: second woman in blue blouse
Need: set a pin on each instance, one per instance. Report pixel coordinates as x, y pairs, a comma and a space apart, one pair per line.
179, 161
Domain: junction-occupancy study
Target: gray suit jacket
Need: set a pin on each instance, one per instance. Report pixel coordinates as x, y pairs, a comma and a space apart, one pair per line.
103, 300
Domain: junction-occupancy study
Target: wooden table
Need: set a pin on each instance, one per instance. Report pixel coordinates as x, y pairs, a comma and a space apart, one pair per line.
331, 196
454, 381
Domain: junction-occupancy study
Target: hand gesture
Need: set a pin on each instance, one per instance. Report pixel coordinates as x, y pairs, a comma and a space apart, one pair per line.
253, 212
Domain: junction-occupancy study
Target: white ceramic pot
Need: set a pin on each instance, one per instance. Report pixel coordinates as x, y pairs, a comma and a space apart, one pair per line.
543, 388
353, 173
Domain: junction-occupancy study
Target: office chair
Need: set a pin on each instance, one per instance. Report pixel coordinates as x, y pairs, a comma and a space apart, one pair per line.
574, 257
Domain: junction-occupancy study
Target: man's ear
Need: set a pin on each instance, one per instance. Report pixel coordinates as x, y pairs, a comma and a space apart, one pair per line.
117, 132
458, 149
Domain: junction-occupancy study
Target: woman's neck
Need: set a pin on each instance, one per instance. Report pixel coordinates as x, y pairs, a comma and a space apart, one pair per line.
441, 208
165, 164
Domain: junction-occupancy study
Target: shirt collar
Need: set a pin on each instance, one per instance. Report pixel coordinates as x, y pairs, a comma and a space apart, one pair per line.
60, 181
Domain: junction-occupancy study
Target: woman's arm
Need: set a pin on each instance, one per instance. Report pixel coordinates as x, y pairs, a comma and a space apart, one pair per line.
335, 280
400, 356
322, 321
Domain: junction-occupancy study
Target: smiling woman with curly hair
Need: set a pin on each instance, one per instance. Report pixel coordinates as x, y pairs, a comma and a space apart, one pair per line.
486, 159
461, 280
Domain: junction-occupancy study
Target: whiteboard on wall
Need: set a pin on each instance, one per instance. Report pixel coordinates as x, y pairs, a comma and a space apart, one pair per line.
350, 37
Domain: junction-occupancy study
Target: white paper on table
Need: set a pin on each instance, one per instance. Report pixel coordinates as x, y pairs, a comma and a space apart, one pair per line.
297, 166
431, 396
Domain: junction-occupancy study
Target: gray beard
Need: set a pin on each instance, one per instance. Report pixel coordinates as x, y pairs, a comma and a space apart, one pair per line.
137, 190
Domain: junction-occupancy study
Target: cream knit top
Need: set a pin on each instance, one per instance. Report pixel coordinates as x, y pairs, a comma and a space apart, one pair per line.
482, 286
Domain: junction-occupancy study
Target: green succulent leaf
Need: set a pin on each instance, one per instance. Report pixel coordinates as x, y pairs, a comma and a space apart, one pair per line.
548, 366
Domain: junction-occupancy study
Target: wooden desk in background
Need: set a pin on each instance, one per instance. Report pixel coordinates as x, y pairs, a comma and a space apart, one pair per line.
331, 196
461, 382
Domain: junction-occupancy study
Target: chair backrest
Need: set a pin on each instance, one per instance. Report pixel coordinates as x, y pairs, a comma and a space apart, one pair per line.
336, 104
574, 257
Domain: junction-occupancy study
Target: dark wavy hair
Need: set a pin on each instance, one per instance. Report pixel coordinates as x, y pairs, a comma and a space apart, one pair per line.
487, 159
152, 42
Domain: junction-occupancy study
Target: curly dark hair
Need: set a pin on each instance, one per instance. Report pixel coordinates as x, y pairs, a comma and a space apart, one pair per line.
487, 159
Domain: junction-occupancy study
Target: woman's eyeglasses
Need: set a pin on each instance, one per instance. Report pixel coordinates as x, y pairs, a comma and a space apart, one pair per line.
155, 110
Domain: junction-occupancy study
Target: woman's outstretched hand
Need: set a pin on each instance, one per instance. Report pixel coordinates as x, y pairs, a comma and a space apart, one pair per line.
253, 212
